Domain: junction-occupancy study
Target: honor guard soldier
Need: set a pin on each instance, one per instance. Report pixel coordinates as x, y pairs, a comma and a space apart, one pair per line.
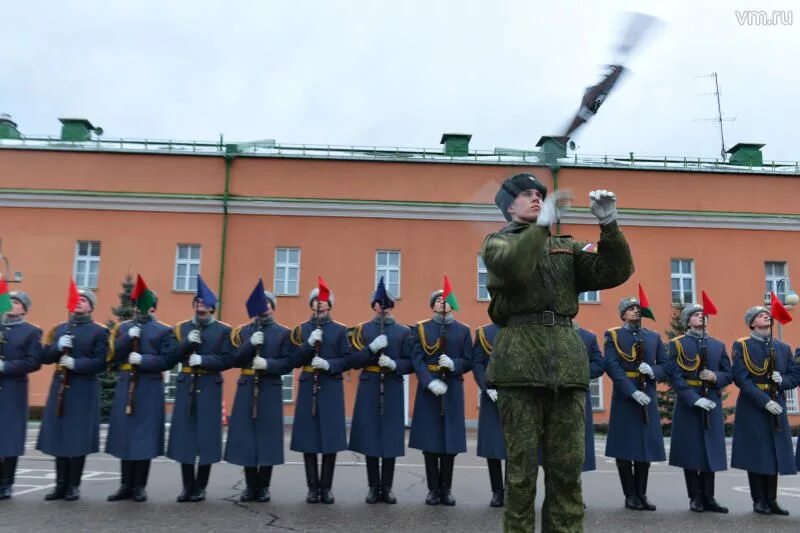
762, 440
20, 354
635, 360
196, 432
698, 370
597, 367
380, 348
71, 424
442, 354
141, 348
255, 431
491, 443
539, 365
319, 426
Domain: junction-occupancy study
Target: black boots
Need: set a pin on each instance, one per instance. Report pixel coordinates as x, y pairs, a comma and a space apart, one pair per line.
379, 479
74, 474
312, 477
764, 491
432, 477
141, 471
707, 485
201, 482
187, 477
625, 469
8, 468
125, 489
194, 486
700, 487
251, 484
640, 472
496, 481
61, 480
446, 478
264, 479
326, 478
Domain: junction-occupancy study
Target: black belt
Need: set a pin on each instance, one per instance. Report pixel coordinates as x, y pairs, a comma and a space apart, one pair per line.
540, 318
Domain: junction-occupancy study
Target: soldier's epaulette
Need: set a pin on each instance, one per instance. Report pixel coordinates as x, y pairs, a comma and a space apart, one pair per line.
742, 339
297, 335
163, 324
225, 324
424, 321
679, 337
236, 336
177, 329
35, 325
339, 323
101, 325
356, 339
485, 344
609, 330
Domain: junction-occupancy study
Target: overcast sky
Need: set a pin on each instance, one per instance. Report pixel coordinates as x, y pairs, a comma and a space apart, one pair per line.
372, 72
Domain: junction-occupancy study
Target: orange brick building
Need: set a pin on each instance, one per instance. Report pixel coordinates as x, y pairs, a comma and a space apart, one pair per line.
98, 209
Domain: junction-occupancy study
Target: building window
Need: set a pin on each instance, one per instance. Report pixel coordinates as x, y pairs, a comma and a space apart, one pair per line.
287, 271
596, 388
287, 387
589, 297
483, 292
792, 405
87, 264
170, 382
187, 266
682, 274
776, 278
387, 264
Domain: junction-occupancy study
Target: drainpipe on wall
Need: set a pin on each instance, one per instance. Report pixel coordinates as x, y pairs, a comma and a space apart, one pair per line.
230, 154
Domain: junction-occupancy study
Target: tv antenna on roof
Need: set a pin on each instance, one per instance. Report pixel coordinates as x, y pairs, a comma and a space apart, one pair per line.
719, 119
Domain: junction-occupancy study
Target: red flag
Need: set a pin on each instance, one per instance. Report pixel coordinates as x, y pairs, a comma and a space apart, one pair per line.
324, 292
72, 296
778, 311
708, 306
644, 304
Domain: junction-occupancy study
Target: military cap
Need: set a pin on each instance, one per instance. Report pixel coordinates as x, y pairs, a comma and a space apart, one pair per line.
688, 311
315, 292
89, 295
21, 297
434, 295
627, 303
753, 312
512, 187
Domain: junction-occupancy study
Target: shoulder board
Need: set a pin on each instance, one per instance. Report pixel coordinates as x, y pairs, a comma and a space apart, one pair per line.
225, 324
297, 335
356, 339
485, 325
466, 326
282, 325
742, 339
339, 323
614, 329
163, 324
424, 321
177, 330
35, 325
102, 325
675, 339
236, 338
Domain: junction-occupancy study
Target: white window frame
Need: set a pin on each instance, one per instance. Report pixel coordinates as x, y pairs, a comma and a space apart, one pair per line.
589, 297
482, 271
386, 269
285, 290
599, 395
682, 277
190, 283
287, 384
772, 278
83, 277
792, 401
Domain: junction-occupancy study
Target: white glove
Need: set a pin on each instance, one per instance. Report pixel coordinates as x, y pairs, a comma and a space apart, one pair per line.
320, 363
777, 378
773, 407
641, 398
259, 363
135, 358
446, 362
134, 332
378, 343
194, 337
708, 375
705, 403
67, 362
2, 366
647, 370
315, 337
603, 206
492, 394
437, 387
257, 338
386, 362
195, 360
554, 207
64, 341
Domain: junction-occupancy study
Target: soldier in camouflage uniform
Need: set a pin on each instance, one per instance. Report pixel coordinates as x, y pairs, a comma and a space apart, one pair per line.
539, 365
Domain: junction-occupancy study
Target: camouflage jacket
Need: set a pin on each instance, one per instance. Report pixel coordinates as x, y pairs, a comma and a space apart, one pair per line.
531, 271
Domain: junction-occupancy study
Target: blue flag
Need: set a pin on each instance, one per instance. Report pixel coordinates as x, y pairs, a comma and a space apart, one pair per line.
204, 294
382, 296
257, 301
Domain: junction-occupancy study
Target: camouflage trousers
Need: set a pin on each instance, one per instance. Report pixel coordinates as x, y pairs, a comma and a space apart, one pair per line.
537, 417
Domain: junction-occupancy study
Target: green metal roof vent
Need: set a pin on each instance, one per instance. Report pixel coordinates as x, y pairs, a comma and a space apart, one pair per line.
746, 154
8, 128
77, 129
456, 144
552, 148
